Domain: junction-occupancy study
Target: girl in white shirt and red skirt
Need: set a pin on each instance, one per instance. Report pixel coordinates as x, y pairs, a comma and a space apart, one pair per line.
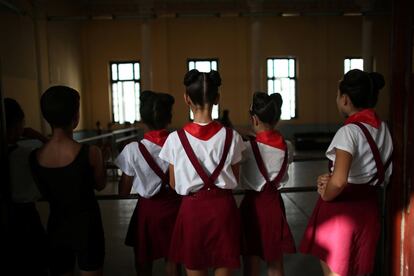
143, 171
204, 159
266, 233
345, 225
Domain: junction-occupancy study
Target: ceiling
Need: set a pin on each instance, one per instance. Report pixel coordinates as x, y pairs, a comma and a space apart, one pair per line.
154, 8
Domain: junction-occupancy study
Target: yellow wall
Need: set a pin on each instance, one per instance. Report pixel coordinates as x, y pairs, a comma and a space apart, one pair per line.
65, 58
19, 65
319, 43
41, 53
35, 55
105, 41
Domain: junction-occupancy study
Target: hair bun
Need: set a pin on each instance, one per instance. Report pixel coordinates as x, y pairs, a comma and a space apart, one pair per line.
377, 80
214, 78
277, 98
146, 95
267, 107
165, 99
362, 87
191, 76
156, 109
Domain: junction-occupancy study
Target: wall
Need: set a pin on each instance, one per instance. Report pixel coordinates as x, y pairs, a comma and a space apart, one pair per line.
36, 54
102, 42
319, 43
65, 59
39, 53
19, 65
222, 38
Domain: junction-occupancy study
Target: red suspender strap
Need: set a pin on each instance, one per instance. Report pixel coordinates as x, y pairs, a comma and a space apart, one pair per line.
208, 180
377, 156
259, 160
283, 169
388, 163
226, 149
262, 167
153, 165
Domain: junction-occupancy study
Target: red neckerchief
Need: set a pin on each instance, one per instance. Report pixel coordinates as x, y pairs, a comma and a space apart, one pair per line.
271, 138
157, 136
367, 116
203, 132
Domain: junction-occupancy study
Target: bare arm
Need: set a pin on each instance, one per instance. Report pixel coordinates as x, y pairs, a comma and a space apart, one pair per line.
96, 161
172, 176
330, 186
125, 185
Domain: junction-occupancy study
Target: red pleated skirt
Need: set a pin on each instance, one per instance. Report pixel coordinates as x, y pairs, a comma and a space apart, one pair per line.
344, 232
152, 224
207, 231
265, 231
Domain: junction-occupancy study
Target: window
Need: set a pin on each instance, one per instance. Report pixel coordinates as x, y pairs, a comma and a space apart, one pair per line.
281, 78
353, 63
204, 66
126, 86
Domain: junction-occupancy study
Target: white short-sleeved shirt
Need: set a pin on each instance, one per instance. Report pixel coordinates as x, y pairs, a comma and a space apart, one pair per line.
273, 154
23, 187
208, 151
131, 162
350, 138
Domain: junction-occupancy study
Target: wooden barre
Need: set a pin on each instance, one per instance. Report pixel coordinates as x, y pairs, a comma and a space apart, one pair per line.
93, 138
236, 192
126, 138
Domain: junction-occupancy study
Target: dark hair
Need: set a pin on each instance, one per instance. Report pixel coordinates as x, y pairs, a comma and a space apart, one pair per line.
362, 87
267, 107
156, 109
14, 113
60, 105
202, 88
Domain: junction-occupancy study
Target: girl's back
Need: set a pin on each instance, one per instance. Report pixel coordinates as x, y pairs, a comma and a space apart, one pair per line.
75, 219
207, 142
67, 174
351, 139
203, 158
272, 149
65, 178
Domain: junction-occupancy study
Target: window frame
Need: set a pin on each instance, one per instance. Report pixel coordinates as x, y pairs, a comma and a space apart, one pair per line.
111, 82
350, 58
188, 69
295, 78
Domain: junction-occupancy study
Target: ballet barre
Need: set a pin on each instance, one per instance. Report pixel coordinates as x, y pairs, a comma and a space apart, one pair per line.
303, 189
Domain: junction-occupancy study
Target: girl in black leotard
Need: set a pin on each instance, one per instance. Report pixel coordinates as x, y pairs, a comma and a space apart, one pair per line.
67, 174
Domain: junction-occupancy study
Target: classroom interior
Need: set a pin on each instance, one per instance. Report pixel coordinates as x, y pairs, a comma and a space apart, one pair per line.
110, 50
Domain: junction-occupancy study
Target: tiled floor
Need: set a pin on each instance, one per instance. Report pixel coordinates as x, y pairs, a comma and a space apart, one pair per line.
299, 206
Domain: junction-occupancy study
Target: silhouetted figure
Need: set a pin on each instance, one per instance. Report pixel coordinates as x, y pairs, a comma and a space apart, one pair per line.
67, 173
27, 236
98, 128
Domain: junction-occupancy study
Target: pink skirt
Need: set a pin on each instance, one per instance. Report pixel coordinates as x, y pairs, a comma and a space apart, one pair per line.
265, 230
152, 224
344, 232
207, 231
